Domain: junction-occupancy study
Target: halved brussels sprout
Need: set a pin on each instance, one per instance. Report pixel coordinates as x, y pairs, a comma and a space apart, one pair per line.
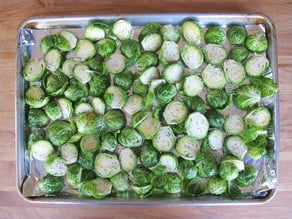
146, 60
128, 159
97, 188
115, 97
90, 123
164, 140
122, 29
69, 153
55, 83
55, 165
259, 117
236, 34
129, 137
192, 32
192, 56
257, 42
60, 131
34, 70
217, 99
187, 147
106, 165
170, 32
96, 31
37, 118
105, 47
53, 110
197, 125
35, 97
51, 184
215, 34
214, 54
108, 142
175, 112
114, 120
41, 149
246, 96
124, 79
85, 49
238, 53
90, 143
148, 155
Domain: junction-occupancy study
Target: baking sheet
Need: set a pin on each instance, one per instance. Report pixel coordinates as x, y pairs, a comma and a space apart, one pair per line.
32, 30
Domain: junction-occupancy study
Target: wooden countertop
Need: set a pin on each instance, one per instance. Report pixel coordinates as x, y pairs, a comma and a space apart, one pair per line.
12, 12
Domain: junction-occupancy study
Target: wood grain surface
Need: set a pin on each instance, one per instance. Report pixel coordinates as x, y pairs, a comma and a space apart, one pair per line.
12, 12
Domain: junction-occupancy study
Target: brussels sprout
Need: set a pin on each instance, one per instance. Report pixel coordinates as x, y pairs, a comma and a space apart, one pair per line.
95, 63
257, 42
170, 161
120, 182
187, 169
216, 186
157, 176
146, 60
114, 120
256, 65
90, 143
238, 53
55, 83
98, 105
139, 88
216, 139
187, 147
217, 99
139, 117
192, 56
247, 176
236, 34
129, 137
114, 63
213, 77
83, 107
196, 104
34, 136
148, 127
108, 142
37, 118
41, 149
173, 73
85, 49
124, 80
96, 31
175, 112
214, 54
90, 123
266, 85
47, 43
234, 124
233, 191
257, 148
140, 176
51, 184
122, 29
132, 50
235, 146
234, 72
170, 32
134, 104
149, 28
55, 165
259, 117
169, 52
76, 175
197, 125
250, 133
149, 75
66, 107
97, 188
82, 73
246, 96
197, 189
215, 34
215, 118
98, 84
60, 131
150, 97
128, 159
106, 165
193, 85
165, 93
53, 59
164, 140
148, 155
151, 42
34, 70
115, 97
53, 110
71, 39
61, 43
86, 160
69, 153
173, 183
105, 47
228, 171
143, 191
35, 97
68, 66
206, 165
192, 32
